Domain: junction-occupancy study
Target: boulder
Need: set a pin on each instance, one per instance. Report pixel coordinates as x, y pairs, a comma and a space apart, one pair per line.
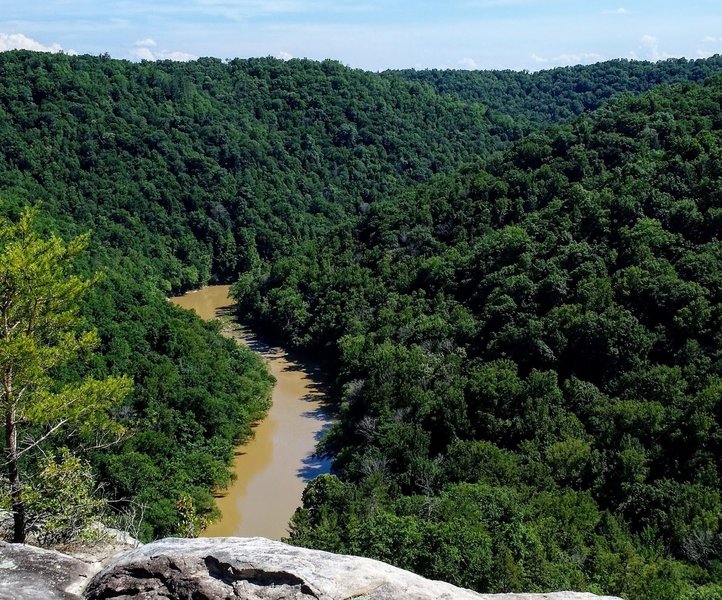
257, 568
103, 544
30, 573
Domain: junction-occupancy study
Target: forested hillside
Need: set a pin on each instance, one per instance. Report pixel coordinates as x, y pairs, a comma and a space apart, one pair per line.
531, 357
195, 396
186, 173
527, 348
557, 95
192, 168
196, 166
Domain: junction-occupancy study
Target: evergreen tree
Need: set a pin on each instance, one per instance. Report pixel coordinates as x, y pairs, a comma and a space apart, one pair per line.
40, 330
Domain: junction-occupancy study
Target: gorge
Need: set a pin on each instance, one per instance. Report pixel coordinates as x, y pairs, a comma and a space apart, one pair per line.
516, 279
271, 470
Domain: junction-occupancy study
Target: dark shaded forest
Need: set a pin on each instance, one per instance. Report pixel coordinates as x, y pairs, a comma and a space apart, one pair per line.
531, 345
534, 100
526, 314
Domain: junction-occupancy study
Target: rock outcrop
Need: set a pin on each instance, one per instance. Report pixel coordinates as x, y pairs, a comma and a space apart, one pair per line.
29, 573
225, 569
256, 568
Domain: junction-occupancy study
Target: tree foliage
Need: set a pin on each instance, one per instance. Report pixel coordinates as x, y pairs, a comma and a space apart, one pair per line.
527, 101
39, 320
542, 327
527, 347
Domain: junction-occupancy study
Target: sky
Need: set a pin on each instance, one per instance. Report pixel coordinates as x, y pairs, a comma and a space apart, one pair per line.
371, 34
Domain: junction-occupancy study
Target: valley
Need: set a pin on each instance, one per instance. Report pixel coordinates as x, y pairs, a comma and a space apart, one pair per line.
271, 470
513, 281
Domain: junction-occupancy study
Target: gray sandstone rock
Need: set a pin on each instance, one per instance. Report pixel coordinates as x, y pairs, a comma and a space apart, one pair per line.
256, 568
103, 545
30, 573
222, 569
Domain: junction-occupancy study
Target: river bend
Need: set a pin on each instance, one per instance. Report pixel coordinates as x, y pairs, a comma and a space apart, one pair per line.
272, 469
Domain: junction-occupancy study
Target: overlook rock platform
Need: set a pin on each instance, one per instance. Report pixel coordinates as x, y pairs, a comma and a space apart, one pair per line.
224, 569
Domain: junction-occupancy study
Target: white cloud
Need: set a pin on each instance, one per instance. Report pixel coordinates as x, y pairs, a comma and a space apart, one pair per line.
706, 53
469, 64
650, 45
242, 10
382, 37
616, 11
283, 55
141, 50
496, 3
175, 55
585, 57
568, 58
142, 53
18, 41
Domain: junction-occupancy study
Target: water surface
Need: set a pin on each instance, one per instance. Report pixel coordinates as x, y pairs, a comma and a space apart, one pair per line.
272, 468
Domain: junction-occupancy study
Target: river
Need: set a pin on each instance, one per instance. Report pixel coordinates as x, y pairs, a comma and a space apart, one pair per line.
272, 469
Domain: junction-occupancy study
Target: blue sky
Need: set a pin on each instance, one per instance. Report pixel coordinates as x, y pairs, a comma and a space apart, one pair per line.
372, 34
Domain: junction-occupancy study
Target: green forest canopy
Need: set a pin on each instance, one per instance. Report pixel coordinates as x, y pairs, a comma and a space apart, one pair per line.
533, 346
529, 345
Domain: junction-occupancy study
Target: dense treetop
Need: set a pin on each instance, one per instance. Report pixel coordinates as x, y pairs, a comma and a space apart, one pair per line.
192, 167
557, 95
531, 359
189, 161
528, 350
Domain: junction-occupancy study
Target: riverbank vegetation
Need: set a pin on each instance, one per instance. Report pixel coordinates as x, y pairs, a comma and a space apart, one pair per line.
524, 316
531, 360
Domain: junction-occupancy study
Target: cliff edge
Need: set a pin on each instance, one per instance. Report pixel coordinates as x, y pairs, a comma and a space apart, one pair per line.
225, 569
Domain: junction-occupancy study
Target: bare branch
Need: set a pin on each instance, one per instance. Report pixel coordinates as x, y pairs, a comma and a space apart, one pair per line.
44, 437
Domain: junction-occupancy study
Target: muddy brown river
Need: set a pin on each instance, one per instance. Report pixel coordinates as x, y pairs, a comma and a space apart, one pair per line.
272, 468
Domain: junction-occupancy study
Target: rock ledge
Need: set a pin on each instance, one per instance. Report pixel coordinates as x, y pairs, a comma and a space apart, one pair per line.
225, 569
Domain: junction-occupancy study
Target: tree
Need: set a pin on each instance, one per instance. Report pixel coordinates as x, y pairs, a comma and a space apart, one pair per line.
41, 330
63, 502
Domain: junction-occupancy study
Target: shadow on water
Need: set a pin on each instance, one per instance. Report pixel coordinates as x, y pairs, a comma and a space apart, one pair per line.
319, 384
313, 466
318, 436
252, 338
319, 387
317, 414
284, 453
